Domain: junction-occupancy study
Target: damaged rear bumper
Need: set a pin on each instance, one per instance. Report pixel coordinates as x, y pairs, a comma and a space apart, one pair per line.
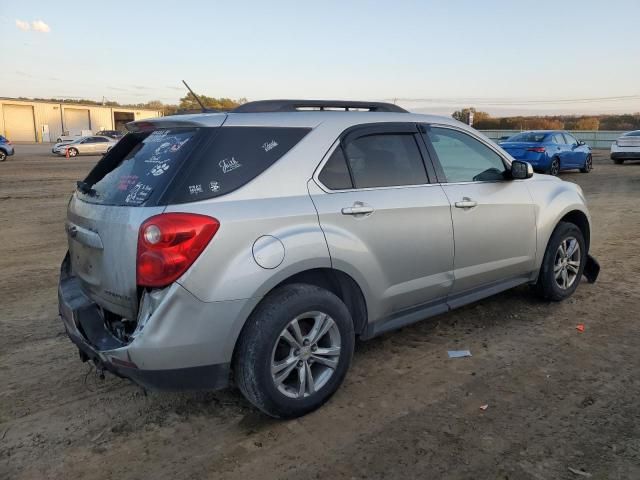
182, 345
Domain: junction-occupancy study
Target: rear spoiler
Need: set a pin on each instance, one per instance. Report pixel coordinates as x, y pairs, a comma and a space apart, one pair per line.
197, 120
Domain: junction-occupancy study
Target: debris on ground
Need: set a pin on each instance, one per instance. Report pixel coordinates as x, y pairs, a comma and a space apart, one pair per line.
484, 407
580, 327
459, 353
582, 473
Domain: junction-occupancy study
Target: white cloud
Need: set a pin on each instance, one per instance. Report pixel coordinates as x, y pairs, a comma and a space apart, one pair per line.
40, 26
22, 25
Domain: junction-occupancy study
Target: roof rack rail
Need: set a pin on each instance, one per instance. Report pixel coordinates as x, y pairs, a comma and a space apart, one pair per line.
264, 106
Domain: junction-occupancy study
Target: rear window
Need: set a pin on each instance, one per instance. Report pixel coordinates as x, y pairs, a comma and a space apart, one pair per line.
143, 169
534, 137
185, 164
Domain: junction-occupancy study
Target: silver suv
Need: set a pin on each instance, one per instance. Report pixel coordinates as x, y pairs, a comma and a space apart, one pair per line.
256, 246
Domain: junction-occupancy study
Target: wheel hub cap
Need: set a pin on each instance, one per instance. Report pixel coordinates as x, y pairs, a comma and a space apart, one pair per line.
567, 263
305, 355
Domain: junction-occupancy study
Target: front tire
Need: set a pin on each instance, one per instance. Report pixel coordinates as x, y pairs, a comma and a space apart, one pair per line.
3, 156
563, 263
588, 165
554, 168
294, 351
73, 152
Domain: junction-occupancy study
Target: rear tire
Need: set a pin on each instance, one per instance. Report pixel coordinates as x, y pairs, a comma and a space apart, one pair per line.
588, 165
618, 161
280, 365
562, 265
3, 156
554, 168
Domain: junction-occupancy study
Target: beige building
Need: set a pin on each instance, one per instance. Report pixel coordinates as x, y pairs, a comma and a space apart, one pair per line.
41, 121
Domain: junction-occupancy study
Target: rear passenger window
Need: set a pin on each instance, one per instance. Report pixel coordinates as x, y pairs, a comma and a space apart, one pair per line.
335, 174
231, 158
385, 160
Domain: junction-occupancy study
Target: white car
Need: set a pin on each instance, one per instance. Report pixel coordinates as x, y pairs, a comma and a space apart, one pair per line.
626, 147
93, 145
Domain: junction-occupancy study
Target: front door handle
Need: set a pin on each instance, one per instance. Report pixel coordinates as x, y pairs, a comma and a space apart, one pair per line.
466, 203
358, 208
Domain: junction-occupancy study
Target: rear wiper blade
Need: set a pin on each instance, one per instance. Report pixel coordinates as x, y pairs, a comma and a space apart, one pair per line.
85, 188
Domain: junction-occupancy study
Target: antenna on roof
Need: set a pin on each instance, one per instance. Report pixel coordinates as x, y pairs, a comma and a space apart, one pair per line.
204, 109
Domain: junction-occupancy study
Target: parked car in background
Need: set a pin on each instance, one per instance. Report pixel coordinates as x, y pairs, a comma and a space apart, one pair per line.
550, 151
115, 134
6, 148
93, 145
626, 147
257, 245
67, 137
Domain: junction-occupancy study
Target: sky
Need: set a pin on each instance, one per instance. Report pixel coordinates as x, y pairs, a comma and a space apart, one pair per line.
503, 57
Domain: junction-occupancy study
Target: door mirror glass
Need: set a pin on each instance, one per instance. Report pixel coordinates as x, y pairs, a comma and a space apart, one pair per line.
521, 170
580, 142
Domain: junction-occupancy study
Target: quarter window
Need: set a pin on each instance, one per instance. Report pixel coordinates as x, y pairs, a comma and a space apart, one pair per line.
335, 174
385, 160
465, 159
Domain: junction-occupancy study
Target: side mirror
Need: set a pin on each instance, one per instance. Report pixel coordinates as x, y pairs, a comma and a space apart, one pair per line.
580, 142
521, 170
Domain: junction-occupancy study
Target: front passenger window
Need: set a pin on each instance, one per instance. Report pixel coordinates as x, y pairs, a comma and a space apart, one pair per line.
465, 159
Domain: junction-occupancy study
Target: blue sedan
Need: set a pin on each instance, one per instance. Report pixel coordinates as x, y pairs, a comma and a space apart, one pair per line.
550, 151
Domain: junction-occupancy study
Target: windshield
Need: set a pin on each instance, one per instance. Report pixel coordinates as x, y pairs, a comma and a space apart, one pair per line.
535, 137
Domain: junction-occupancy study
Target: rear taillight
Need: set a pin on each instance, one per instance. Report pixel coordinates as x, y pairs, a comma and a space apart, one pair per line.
169, 243
536, 149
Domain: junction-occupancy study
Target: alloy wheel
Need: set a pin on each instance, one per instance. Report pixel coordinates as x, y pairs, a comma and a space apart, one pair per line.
567, 263
305, 355
555, 167
588, 164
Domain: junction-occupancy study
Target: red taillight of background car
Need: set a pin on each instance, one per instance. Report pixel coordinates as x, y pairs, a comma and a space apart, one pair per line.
536, 149
169, 243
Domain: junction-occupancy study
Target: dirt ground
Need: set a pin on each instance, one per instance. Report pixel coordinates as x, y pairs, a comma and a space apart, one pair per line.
557, 398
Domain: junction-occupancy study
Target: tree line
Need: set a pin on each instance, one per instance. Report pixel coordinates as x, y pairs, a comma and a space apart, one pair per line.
187, 103
484, 121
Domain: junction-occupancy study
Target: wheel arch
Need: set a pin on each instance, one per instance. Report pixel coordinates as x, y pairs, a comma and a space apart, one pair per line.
580, 220
336, 281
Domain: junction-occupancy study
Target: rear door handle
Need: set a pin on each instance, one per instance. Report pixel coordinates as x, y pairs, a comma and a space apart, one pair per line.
466, 203
358, 208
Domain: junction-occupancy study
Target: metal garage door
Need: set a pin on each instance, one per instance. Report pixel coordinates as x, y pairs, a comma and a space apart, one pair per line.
18, 123
76, 120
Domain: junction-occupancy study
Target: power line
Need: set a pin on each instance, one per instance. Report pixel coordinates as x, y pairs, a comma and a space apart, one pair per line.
503, 101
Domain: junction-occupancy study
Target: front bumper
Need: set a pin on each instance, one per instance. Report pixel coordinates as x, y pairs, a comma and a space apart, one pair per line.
173, 351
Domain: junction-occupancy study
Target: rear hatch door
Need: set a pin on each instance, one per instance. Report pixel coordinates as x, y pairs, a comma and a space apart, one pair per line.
105, 213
